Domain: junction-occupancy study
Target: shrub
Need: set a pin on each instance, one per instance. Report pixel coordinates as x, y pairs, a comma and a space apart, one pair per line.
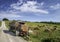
47, 30
5, 19
36, 28
50, 40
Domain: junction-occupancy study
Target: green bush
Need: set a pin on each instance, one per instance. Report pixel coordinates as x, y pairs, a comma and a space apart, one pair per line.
0, 23
50, 40
5, 19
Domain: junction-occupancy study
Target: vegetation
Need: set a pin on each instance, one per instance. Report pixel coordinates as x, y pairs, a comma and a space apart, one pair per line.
7, 23
44, 31
5, 19
0, 23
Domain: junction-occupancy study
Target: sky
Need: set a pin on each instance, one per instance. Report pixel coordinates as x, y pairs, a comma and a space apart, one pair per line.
30, 10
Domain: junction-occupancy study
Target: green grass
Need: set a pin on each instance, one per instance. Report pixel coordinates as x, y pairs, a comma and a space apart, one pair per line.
40, 34
7, 23
0, 23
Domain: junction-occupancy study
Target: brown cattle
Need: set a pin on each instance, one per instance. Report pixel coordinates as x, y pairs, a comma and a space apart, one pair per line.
20, 27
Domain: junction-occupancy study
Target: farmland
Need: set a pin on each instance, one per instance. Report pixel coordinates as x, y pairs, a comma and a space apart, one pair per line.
43, 32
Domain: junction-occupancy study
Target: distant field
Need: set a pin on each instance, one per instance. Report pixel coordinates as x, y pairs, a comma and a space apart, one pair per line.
33, 24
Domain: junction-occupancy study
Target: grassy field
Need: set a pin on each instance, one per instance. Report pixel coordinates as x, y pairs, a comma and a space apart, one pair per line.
44, 32
7, 23
0, 23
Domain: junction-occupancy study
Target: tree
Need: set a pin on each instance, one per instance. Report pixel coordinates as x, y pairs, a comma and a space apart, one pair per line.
5, 19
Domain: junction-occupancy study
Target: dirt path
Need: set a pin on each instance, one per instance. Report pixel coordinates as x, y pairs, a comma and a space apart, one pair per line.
6, 36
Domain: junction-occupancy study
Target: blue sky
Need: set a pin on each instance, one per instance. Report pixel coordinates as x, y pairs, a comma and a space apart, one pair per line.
30, 10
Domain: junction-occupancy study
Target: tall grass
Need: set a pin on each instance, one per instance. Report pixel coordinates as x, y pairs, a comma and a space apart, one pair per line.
0, 23
40, 35
7, 23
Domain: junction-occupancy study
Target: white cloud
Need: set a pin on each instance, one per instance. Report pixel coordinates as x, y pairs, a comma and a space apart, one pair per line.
9, 15
57, 6
30, 6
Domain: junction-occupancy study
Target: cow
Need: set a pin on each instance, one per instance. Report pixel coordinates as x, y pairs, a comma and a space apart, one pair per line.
20, 28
